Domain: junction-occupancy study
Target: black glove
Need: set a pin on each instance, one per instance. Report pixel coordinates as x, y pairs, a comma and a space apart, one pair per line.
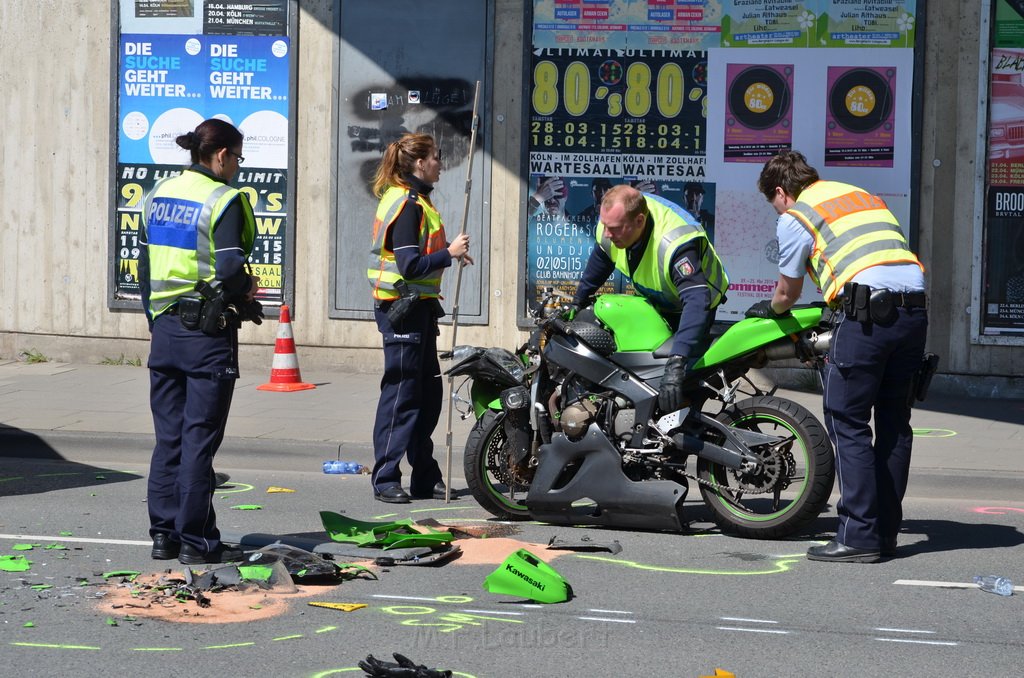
763, 309
405, 668
670, 396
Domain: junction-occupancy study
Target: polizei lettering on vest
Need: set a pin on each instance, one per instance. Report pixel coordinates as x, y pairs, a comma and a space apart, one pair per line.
174, 212
529, 580
848, 204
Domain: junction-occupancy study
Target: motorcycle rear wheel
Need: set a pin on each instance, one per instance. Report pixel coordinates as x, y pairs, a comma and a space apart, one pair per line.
800, 474
487, 465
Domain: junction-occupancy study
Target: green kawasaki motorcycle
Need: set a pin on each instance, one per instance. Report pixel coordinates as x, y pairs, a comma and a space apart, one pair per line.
568, 428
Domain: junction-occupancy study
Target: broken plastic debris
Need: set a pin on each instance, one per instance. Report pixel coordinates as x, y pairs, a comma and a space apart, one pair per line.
65, 533
584, 544
305, 565
256, 572
41, 587
527, 576
247, 507
22, 547
15, 564
29, 625
397, 534
272, 489
130, 574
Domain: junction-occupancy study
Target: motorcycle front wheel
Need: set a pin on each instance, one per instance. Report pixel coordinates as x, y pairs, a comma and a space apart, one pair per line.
495, 483
795, 480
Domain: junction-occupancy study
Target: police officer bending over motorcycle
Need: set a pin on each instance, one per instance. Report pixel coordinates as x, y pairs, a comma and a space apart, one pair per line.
856, 253
666, 254
196, 237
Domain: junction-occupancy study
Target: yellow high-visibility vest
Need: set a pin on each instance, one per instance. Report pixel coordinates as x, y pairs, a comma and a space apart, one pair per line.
180, 216
671, 227
852, 230
382, 271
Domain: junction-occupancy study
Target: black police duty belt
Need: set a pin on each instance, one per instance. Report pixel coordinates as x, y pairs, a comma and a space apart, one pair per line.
864, 304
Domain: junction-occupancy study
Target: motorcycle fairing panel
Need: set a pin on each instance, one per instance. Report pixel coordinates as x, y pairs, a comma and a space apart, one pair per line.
620, 502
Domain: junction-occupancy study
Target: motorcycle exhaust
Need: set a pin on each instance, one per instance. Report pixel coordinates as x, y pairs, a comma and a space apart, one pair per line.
814, 343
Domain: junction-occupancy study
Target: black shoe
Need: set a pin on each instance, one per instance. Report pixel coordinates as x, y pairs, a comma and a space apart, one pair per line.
437, 492
222, 554
889, 547
164, 548
834, 552
392, 495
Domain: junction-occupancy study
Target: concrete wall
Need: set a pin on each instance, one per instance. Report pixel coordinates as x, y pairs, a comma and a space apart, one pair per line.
56, 179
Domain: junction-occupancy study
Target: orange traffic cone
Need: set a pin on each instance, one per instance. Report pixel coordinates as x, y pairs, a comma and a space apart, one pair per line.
284, 374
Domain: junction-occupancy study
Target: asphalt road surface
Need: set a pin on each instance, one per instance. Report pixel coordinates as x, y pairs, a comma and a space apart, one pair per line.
666, 605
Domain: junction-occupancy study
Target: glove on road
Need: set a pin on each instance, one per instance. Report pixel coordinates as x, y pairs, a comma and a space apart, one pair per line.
405, 668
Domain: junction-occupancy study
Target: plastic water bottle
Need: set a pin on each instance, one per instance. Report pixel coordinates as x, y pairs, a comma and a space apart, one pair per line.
338, 466
994, 584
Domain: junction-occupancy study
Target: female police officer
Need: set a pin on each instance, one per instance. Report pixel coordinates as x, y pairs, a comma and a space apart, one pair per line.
409, 253
197, 230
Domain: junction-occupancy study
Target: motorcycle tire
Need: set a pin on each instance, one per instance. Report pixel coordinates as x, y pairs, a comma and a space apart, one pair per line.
486, 449
800, 476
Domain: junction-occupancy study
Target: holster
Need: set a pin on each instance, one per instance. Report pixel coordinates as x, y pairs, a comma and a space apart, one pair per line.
923, 378
212, 320
857, 302
190, 311
401, 307
865, 305
883, 307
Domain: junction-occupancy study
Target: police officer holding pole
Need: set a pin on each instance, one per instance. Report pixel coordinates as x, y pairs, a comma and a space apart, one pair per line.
407, 258
197, 235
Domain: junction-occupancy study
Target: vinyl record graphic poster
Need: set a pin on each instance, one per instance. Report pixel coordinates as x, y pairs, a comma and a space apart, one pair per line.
759, 111
859, 117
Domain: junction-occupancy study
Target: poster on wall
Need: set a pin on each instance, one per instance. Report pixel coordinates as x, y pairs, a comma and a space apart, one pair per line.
860, 117
869, 23
696, 121
769, 24
599, 118
197, 60
627, 24
1004, 261
760, 113
1002, 297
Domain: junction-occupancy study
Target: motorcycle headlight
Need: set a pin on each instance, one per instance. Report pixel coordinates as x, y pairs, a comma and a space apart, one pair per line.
515, 398
507, 361
461, 353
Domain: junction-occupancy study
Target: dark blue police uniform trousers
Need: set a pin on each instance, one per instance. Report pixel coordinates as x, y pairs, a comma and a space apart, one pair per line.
870, 370
192, 380
411, 397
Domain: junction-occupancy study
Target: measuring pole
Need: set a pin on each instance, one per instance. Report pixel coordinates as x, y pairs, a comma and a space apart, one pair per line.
455, 302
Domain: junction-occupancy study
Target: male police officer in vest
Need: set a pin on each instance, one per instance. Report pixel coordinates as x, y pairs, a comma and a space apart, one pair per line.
854, 249
670, 261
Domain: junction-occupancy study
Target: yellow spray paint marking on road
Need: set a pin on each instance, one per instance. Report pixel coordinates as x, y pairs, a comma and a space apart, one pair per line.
57, 646
933, 433
236, 488
780, 566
